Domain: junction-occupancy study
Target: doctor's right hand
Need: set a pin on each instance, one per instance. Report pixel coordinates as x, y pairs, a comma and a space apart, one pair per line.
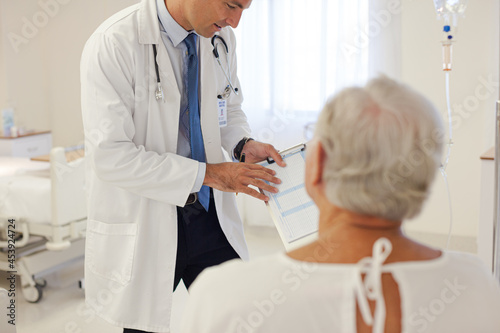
235, 177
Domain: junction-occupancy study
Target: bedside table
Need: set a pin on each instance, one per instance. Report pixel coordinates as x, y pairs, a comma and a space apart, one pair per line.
28, 145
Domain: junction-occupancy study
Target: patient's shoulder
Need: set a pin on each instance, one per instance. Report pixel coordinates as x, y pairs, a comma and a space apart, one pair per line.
237, 276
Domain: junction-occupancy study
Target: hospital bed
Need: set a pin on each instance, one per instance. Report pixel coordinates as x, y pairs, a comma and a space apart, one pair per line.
46, 203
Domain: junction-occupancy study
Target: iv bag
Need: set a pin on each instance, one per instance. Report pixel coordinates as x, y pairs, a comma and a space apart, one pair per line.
450, 10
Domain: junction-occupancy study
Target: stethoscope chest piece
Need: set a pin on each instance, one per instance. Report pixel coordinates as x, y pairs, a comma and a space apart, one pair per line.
159, 90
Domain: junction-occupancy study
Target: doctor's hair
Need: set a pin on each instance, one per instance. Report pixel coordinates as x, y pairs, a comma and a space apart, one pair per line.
383, 145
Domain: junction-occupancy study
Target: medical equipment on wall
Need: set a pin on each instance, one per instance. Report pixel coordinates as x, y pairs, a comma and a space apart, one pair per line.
449, 11
216, 41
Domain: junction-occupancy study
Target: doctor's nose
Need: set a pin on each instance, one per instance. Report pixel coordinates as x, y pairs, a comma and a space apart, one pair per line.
234, 19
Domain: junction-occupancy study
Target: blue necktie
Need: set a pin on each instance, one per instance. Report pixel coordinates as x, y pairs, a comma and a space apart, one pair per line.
195, 136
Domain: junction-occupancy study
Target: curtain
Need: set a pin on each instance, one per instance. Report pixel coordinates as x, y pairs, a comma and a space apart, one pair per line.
294, 54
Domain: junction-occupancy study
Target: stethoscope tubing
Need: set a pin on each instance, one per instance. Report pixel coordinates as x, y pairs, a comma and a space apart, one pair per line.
216, 55
159, 90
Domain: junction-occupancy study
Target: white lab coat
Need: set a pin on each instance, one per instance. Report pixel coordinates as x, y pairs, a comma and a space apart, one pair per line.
135, 179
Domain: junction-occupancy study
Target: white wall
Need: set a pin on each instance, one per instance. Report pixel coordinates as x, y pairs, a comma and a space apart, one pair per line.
41, 80
476, 57
3, 76
475, 60
39, 70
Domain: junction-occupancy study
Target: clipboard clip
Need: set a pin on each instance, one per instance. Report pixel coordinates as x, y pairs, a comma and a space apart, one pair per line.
293, 149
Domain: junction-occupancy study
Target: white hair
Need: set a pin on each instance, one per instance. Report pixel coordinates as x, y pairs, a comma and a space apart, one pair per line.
383, 145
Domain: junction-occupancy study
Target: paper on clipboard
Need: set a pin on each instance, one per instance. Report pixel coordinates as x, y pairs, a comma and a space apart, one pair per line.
293, 211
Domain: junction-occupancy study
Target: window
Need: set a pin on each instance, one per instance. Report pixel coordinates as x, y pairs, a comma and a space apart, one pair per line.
292, 56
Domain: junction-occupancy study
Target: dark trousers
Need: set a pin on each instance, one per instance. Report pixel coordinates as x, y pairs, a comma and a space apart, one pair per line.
200, 244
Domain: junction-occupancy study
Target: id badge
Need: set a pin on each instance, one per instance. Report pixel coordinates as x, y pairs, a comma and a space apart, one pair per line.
222, 111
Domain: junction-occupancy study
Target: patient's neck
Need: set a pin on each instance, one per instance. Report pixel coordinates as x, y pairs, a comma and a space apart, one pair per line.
347, 237
339, 220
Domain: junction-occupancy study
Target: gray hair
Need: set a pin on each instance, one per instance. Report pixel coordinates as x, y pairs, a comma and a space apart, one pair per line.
383, 144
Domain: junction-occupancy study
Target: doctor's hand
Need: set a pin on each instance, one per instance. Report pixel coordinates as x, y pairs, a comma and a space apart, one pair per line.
256, 151
235, 177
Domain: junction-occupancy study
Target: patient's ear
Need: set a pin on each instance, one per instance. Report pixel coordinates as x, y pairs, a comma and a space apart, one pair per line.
321, 162
316, 165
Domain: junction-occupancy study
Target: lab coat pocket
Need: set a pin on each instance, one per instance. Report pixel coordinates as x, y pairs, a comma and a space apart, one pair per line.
110, 250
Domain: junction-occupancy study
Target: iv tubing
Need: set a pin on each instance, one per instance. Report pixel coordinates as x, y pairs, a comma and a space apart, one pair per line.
445, 177
445, 164
450, 130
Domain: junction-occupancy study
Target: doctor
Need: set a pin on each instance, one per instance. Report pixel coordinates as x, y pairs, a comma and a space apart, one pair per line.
158, 110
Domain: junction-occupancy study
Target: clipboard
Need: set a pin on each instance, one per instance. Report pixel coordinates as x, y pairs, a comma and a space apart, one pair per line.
293, 212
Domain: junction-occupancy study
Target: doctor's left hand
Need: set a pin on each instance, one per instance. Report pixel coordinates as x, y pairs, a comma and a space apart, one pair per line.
236, 177
256, 151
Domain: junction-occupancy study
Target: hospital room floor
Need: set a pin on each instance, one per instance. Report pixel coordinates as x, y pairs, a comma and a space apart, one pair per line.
62, 308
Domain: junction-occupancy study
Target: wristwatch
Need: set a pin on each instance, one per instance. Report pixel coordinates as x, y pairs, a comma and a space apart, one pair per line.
239, 147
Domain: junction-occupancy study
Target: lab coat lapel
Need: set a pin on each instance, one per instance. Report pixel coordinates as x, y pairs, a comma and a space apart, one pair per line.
171, 107
149, 33
149, 27
167, 76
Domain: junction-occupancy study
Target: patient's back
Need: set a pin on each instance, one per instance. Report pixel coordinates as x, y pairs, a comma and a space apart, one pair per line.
451, 293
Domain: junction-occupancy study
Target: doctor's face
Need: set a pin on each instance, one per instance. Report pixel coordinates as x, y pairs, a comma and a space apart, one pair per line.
207, 17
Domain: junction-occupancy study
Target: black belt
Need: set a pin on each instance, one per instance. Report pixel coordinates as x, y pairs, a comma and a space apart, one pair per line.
193, 197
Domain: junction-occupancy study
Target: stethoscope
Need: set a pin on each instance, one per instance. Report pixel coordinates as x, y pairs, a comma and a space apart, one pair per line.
227, 91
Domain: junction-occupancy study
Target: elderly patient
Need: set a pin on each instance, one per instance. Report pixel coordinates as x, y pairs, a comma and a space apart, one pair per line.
370, 166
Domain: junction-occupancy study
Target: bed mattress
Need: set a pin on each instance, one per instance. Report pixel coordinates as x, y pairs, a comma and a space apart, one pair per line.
25, 190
